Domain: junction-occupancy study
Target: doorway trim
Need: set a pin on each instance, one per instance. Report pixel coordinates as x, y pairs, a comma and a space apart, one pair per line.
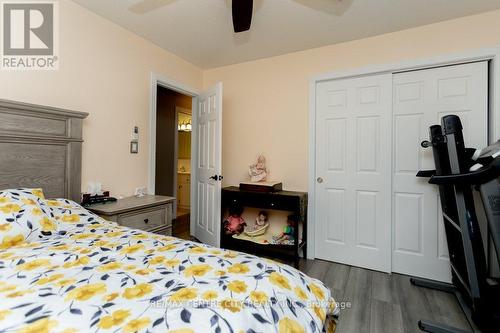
166, 82
490, 54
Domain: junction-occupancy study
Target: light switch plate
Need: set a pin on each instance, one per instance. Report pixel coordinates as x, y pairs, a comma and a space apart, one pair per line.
135, 134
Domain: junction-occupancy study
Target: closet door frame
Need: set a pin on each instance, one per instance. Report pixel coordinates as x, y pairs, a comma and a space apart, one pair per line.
492, 55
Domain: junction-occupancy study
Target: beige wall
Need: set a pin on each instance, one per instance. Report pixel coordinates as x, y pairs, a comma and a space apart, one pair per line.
266, 101
104, 70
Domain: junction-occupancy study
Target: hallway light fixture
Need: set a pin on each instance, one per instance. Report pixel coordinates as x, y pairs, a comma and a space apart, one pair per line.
185, 126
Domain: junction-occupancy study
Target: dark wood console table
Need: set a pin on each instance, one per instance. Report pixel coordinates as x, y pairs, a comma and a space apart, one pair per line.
293, 202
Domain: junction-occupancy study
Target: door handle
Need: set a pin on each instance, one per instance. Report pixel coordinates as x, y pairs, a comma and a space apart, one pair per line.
319, 180
214, 177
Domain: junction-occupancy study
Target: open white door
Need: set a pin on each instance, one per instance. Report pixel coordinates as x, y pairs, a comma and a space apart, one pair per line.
207, 166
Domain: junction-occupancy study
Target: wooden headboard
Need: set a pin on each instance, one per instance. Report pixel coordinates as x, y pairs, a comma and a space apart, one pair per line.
41, 146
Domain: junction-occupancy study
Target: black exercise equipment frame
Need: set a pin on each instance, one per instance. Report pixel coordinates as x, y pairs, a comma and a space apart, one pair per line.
467, 255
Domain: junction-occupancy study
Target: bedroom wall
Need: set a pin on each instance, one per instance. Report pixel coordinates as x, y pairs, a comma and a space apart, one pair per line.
265, 105
104, 70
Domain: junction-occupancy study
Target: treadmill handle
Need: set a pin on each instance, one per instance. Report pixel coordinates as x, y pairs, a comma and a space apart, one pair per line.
426, 173
482, 176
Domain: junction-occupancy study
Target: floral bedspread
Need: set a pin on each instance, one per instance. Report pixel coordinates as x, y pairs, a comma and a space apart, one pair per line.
96, 276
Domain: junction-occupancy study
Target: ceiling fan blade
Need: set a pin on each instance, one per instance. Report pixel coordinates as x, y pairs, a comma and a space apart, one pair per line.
146, 6
242, 14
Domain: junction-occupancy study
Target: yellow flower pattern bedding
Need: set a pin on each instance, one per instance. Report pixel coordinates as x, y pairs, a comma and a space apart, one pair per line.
91, 275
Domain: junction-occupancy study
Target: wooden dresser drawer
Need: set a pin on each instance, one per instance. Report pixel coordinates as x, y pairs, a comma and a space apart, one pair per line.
144, 219
153, 213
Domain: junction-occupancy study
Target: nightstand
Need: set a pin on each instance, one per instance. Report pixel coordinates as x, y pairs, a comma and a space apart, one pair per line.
153, 213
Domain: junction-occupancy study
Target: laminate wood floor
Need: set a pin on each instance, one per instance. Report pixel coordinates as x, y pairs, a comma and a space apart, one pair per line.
180, 227
383, 303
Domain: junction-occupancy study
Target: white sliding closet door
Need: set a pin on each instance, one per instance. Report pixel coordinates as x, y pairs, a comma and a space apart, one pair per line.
421, 99
353, 170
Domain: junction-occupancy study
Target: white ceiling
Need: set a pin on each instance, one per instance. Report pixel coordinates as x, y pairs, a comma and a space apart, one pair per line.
201, 32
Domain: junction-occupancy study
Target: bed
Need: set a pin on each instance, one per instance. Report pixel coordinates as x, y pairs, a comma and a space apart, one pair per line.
64, 269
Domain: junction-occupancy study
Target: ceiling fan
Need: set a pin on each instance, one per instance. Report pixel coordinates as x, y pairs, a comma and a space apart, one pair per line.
242, 10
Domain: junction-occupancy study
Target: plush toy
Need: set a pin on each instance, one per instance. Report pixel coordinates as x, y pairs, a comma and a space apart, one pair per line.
288, 235
234, 223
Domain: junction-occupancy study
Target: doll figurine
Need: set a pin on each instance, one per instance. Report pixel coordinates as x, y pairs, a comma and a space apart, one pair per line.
258, 171
234, 223
288, 235
261, 220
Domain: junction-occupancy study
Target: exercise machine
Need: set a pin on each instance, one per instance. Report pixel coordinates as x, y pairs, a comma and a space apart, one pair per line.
459, 171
